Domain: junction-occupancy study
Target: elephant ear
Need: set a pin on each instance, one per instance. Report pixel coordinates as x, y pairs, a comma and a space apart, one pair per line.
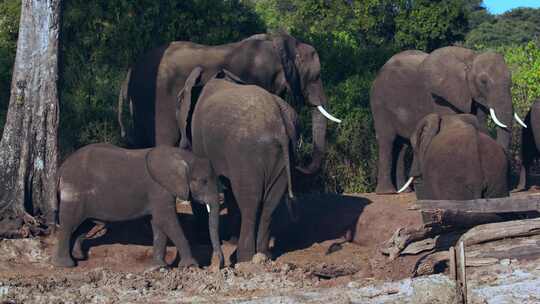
184, 105
167, 167
285, 47
445, 76
425, 131
229, 76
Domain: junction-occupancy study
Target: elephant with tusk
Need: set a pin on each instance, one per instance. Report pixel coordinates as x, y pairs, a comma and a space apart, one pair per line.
278, 63
105, 183
249, 136
450, 80
456, 160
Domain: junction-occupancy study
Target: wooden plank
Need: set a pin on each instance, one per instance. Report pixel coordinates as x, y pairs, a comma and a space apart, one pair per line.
524, 203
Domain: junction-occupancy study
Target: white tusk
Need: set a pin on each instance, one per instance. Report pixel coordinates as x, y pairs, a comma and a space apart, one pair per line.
495, 120
519, 121
407, 184
327, 115
208, 208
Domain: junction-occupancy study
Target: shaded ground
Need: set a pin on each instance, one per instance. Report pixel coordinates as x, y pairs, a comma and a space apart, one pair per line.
312, 262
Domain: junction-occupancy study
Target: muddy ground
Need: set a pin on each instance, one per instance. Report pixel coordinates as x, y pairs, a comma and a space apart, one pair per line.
312, 262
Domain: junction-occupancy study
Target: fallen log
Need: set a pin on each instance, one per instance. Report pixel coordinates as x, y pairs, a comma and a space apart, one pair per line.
498, 231
522, 203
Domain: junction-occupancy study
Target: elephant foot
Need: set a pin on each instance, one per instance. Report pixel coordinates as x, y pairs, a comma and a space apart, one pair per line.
188, 262
63, 261
518, 189
218, 261
385, 189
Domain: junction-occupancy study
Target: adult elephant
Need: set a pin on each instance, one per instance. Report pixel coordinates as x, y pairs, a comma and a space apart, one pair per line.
456, 160
413, 84
276, 62
530, 145
249, 136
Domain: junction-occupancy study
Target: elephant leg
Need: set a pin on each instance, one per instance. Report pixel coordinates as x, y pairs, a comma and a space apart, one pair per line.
70, 219
273, 198
248, 201
384, 174
165, 219
522, 184
160, 245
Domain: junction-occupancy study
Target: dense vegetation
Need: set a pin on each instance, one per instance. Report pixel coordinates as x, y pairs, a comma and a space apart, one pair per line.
354, 38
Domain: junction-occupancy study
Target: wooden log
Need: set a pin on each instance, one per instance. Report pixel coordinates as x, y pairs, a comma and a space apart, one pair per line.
497, 231
463, 273
525, 203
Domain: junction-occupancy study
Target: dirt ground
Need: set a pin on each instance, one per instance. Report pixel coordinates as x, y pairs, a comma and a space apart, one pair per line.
311, 253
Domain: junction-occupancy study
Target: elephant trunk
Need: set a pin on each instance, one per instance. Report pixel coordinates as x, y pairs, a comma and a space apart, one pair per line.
503, 116
319, 123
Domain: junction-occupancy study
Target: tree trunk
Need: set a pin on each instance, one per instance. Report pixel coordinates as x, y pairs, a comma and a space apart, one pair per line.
28, 149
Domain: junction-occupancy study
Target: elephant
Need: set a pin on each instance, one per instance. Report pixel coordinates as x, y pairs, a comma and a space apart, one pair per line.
449, 80
530, 145
105, 183
249, 135
457, 160
276, 62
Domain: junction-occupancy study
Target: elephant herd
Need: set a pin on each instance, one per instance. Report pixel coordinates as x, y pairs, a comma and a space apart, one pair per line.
211, 117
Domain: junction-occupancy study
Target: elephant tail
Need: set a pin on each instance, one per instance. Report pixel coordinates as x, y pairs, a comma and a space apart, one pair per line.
121, 98
285, 146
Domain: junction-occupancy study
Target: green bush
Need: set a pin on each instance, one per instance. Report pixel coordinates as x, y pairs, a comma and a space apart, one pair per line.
9, 27
101, 38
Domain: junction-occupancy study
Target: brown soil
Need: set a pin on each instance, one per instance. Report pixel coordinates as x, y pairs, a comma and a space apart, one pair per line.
312, 252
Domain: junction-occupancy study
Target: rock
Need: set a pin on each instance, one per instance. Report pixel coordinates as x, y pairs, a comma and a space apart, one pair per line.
259, 258
23, 250
505, 262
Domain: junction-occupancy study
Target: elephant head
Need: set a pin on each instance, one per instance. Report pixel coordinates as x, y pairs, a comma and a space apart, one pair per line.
183, 174
467, 80
302, 70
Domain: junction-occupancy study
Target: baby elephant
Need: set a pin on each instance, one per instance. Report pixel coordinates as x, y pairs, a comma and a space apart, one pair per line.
456, 160
106, 183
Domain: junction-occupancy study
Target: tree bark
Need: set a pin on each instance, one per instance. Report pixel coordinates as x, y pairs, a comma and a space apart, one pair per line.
29, 148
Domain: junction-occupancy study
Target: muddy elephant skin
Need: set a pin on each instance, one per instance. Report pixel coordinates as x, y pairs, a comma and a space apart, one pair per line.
456, 160
276, 62
106, 183
249, 136
450, 80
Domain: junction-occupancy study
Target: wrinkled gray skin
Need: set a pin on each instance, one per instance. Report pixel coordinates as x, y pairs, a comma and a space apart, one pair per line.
106, 183
278, 63
413, 84
530, 145
456, 160
249, 136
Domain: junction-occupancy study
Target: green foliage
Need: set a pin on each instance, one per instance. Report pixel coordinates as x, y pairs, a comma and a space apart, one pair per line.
517, 26
429, 24
101, 38
354, 38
